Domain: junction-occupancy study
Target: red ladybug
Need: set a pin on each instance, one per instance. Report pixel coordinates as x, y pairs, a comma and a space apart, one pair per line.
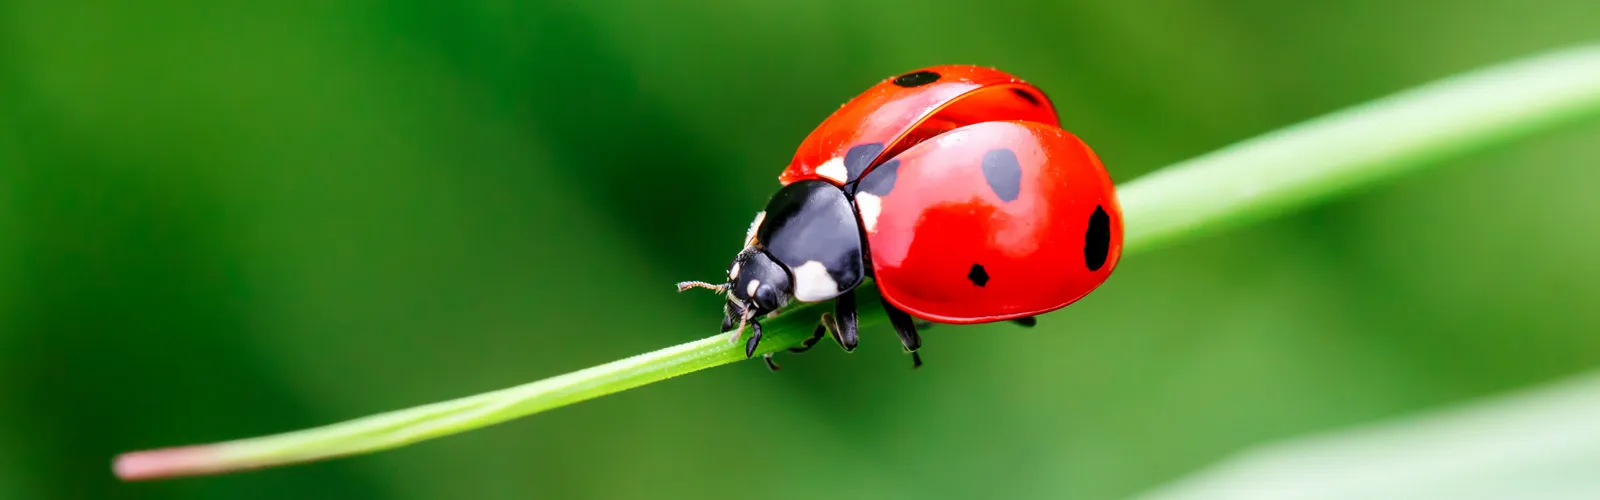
954, 188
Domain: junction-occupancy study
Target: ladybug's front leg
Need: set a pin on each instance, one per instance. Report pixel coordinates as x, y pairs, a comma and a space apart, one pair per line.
755, 339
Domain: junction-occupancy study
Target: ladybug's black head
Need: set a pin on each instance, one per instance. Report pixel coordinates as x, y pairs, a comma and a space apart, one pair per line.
757, 285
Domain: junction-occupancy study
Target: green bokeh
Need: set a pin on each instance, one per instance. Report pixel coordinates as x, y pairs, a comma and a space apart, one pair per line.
221, 220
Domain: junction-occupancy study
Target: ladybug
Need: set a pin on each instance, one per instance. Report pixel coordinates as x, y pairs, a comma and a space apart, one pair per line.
954, 188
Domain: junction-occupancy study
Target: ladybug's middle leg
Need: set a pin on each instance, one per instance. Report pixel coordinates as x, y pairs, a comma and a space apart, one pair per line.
816, 335
822, 329
841, 325
844, 321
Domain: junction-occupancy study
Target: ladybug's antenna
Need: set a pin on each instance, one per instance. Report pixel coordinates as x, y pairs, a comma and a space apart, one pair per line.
723, 288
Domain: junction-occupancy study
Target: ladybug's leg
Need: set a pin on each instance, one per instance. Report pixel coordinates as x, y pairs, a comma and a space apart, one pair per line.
803, 347
844, 311
729, 320
1026, 322
815, 336
832, 326
906, 328
755, 339
841, 324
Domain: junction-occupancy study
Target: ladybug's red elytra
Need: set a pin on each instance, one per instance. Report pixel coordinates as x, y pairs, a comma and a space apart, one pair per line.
954, 188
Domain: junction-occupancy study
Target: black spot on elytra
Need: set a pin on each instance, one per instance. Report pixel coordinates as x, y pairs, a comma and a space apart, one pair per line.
858, 157
1097, 240
1025, 95
917, 79
977, 275
881, 180
1004, 173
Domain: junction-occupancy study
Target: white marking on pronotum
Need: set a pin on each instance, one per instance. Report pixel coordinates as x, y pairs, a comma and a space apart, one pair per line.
870, 206
733, 273
834, 169
750, 290
750, 235
812, 282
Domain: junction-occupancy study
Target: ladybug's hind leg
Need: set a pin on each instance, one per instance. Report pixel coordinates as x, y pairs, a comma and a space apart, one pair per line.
1026, 322
906, 328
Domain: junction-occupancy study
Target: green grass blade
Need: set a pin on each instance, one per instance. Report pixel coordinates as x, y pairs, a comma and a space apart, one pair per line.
1272, 174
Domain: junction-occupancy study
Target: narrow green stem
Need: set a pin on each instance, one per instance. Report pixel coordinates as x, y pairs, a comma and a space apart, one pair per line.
1272, 174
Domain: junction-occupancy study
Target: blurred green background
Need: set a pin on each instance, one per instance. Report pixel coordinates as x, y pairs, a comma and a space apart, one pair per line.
222, 220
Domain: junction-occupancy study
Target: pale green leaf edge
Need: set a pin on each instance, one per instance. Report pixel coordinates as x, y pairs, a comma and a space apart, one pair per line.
1536, 443
1271, 174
